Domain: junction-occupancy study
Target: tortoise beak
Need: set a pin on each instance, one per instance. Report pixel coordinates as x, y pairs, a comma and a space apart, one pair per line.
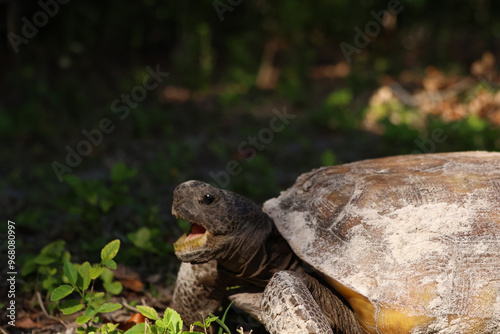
189, 243
194, 239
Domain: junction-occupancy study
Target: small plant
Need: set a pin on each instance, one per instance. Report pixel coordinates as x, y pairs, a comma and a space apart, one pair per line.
47, 266
171, 323
79, 279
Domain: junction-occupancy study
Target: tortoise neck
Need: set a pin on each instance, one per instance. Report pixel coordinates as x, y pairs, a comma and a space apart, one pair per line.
259, 255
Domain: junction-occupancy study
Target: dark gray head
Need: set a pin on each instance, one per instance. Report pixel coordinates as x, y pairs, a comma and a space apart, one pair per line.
220, 219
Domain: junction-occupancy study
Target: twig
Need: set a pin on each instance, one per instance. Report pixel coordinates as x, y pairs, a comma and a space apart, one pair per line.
39, 298
124, 302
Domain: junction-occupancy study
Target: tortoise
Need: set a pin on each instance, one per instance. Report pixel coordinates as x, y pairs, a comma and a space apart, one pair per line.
404, 244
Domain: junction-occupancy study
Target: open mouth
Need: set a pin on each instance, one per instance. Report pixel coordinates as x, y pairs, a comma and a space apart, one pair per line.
197, 231
195, 238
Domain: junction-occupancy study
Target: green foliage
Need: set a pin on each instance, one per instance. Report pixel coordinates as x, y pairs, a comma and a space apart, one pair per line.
257, 179
121, 173
46, 270
171, 323
78, 278
60, 292
222, 321
336, 112
149, 240
328, 158
108, 328
339, 98
93, 198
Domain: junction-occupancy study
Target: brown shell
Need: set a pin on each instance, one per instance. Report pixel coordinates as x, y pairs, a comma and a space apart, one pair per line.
412, 242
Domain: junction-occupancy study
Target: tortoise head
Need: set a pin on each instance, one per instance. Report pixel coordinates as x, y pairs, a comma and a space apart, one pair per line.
220, 220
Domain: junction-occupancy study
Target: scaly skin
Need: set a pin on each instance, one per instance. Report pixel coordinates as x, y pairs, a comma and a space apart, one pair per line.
241, 246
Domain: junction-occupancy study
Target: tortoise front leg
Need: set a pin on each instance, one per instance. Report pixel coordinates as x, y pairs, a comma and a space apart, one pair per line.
295, 302
198, 291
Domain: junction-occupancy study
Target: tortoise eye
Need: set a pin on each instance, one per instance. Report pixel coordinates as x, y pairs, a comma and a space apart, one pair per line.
208, 199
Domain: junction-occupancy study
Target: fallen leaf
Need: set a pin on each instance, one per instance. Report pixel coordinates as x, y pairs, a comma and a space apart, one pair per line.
27, 323
136, 318
132, 284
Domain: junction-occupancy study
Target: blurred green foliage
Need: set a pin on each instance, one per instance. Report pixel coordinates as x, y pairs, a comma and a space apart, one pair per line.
65, 79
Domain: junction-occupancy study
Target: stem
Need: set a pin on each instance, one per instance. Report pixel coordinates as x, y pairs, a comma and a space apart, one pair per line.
39, 298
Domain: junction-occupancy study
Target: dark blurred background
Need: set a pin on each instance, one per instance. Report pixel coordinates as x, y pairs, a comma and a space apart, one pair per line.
96, 134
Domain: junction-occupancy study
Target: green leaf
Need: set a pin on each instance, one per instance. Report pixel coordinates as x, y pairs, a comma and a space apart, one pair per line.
476, 123
44, 259
70, 272
60, 292
160, 324
73, 181
210, 319
92, 198
47, 271
54, 249
120, 172
93, 329
71, 306
90, 312
83, 319
94, 272
114, 288
107, 275
105, 205
29, 267
221, 323
109, 307
223, 318
341, 97
173, 320
66, 256
141, 238
109, 327
94, 296
111, 264
84, 277
148, 312
137, 329
328, 158
110, 250
50, 282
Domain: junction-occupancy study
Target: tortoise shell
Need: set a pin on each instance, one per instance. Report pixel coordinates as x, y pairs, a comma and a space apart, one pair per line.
411, 242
